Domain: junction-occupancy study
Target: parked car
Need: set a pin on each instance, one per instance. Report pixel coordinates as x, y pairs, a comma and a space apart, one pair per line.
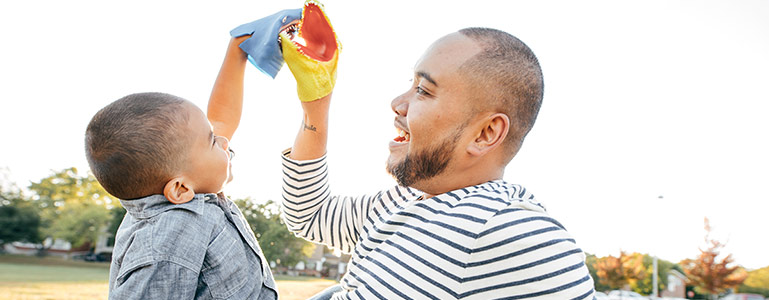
625, 295
601, 296
742, 297
101, 257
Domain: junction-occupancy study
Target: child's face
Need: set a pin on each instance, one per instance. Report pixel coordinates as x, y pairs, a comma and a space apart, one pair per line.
208, 161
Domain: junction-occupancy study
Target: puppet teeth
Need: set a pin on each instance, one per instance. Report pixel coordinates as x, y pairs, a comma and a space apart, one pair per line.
294, 30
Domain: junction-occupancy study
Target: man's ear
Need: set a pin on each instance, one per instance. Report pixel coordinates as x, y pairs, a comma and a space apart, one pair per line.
491, 134
177, 192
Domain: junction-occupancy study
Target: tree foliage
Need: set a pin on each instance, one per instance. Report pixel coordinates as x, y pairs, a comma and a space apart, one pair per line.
709, 274
72, 207
79, 223
116, 214
590, 260
758, 278
278, 244
645, 285
616, 272
67, 186
757, 282
19, 220
77, 209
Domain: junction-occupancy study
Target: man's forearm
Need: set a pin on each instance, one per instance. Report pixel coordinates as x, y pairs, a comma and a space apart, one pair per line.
311, 140
226, 103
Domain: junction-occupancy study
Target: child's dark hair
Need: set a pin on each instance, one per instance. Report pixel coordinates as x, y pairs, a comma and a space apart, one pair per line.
137, 143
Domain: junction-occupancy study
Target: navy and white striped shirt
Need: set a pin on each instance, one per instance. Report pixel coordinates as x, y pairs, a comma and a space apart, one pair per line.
489, 241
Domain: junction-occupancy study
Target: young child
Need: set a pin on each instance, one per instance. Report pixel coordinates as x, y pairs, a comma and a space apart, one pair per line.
180, 238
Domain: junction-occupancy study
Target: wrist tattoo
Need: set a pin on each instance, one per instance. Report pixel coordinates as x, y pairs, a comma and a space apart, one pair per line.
309, 127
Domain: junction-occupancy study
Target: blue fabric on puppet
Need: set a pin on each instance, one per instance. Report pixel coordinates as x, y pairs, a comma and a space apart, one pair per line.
262, 47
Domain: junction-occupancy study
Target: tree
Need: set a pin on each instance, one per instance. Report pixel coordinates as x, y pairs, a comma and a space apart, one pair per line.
79, 223
278, 244
616, 272
117, 213
758, 278
72, 207
19, 220
710, 275
590, 260
645, 285
757, 282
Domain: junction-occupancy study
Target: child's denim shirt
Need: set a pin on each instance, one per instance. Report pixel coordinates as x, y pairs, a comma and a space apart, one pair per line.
202, 249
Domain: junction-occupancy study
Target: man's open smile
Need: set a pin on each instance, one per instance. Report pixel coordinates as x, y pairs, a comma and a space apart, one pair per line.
404, 136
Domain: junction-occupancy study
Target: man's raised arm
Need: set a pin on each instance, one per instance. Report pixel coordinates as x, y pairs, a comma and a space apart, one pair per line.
309, 209
312, 138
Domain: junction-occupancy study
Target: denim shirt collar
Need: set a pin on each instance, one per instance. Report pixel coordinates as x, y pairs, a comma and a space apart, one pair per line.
153, 205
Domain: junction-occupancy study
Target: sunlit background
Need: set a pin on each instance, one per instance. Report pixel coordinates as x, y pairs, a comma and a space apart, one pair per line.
642, 99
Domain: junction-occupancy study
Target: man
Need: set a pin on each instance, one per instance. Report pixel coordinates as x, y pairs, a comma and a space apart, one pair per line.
452, 228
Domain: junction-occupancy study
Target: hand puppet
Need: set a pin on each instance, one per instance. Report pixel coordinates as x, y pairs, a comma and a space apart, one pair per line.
311, 50
303, 38
263, 47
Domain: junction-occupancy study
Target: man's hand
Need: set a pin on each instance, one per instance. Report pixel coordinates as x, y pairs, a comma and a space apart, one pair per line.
311, 51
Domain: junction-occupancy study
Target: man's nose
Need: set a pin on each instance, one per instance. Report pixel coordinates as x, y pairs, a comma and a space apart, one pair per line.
400, 105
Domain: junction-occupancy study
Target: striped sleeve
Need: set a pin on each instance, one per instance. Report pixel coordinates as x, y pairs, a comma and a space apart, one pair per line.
311, 212
525, 254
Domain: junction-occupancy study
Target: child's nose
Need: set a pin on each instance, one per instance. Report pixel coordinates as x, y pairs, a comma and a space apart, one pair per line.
223, 142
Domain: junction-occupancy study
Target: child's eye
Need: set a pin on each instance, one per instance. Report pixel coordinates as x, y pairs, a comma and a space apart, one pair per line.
213, 144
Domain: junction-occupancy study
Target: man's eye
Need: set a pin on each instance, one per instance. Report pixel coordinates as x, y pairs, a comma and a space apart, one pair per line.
421, 91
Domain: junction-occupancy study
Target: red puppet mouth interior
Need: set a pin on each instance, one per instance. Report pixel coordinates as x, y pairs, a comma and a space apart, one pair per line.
313, 35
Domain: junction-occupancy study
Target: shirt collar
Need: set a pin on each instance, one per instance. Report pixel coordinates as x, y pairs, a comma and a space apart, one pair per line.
153, 205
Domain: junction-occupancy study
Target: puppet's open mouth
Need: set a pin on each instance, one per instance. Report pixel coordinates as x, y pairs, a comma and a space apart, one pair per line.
313, 35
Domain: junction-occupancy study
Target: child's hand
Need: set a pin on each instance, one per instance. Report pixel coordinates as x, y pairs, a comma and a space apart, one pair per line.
311, 51
262, 47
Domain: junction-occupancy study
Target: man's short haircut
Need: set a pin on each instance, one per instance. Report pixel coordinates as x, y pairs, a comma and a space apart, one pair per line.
507, 74
137, 143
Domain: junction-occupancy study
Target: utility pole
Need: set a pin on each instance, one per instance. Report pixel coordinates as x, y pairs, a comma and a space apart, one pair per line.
654, 275
654, 279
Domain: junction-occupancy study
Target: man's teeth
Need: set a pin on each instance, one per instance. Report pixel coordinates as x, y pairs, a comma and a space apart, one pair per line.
404, 135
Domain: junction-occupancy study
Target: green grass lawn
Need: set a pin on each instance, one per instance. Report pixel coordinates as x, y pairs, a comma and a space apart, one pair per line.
34, 269
26, 277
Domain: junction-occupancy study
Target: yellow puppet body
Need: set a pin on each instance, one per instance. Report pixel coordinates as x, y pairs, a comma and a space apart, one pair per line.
312, 52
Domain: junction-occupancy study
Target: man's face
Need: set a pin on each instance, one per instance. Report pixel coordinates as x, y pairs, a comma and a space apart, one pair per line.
432, 114
208, 161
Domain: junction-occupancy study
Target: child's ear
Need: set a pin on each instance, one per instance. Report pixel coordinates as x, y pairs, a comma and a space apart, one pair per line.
490, 135
177, 192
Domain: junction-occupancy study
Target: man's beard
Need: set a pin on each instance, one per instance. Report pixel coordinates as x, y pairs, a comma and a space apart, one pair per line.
424, 164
